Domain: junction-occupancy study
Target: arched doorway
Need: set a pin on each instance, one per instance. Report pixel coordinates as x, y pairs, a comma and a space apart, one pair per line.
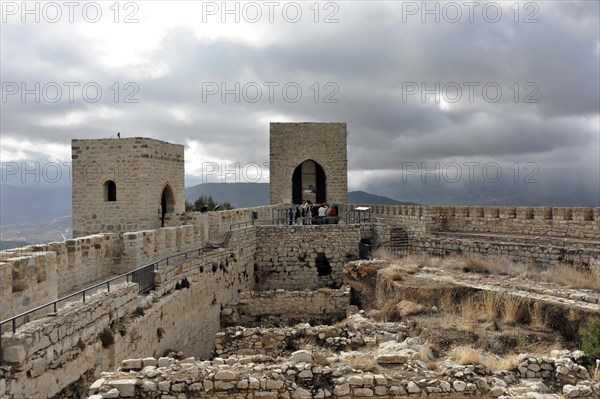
167, 203
309, 183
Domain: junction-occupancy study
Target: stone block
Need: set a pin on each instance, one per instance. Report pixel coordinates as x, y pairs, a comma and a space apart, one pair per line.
126, 387
38, 366
14, 354
131, 364
149, 361
342, 390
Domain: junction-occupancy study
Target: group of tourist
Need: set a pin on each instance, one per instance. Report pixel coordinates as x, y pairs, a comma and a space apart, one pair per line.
309, 213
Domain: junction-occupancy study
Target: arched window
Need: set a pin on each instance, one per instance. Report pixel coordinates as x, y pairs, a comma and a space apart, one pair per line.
110, 191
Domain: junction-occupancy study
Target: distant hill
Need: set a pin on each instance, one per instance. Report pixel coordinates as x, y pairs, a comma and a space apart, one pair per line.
245, 195
360, 197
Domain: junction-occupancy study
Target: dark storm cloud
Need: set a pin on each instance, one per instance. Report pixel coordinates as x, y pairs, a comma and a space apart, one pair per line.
370, 55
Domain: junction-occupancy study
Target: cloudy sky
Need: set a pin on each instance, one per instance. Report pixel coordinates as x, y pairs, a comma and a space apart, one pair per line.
446, 102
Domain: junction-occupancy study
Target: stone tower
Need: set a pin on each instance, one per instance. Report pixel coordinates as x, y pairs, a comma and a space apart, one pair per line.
308, 161
125, 184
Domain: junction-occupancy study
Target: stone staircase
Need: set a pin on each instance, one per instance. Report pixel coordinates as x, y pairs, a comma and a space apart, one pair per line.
398, 243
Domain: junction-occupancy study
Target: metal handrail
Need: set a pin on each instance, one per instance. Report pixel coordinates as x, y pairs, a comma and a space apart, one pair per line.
129, 276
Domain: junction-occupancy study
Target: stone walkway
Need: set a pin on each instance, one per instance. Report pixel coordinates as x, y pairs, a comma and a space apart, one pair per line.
584, 299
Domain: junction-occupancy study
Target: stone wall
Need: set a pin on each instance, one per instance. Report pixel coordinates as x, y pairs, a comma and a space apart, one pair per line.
303, 257
525, 252
301, 376
580, 223
50, 353
291, 307
215, 224
141, 168
146, 246
26, 281
293, 143
37, 274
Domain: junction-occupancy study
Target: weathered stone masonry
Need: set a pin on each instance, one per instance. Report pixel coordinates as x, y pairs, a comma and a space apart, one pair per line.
546, 236
293, 143
48, 354
140, 168
304, 257
37, 274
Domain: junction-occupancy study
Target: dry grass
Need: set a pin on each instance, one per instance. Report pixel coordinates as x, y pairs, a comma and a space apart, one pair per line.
575, 277
362, 362
537, 314
491, 305
567, 275
476, 264
466, 355
390, 311
408, 265
363, 287
393, 310
539, 348
469, 308
408, 308
447, 301
432, 261
424, 354
513, 309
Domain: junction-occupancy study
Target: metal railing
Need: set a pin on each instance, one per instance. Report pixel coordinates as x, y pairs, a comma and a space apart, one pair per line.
144, 275
134, 276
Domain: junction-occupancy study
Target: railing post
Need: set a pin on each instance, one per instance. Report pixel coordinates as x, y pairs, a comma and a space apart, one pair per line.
84, 296
55, 307
14, 325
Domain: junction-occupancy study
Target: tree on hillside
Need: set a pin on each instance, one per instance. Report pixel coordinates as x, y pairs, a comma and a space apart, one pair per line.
209, 202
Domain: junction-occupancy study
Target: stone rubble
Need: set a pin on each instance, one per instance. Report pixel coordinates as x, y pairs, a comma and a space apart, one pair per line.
316, 362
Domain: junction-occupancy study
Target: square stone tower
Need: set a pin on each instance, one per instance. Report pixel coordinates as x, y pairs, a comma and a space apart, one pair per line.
308, 161
125, 184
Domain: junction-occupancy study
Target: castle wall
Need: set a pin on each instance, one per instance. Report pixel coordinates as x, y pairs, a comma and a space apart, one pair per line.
293, 143
215, 224
514, 250
578, 223
260, 257
34, 275
37, 274
288, 256
50, 353
139, 167
26, 281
